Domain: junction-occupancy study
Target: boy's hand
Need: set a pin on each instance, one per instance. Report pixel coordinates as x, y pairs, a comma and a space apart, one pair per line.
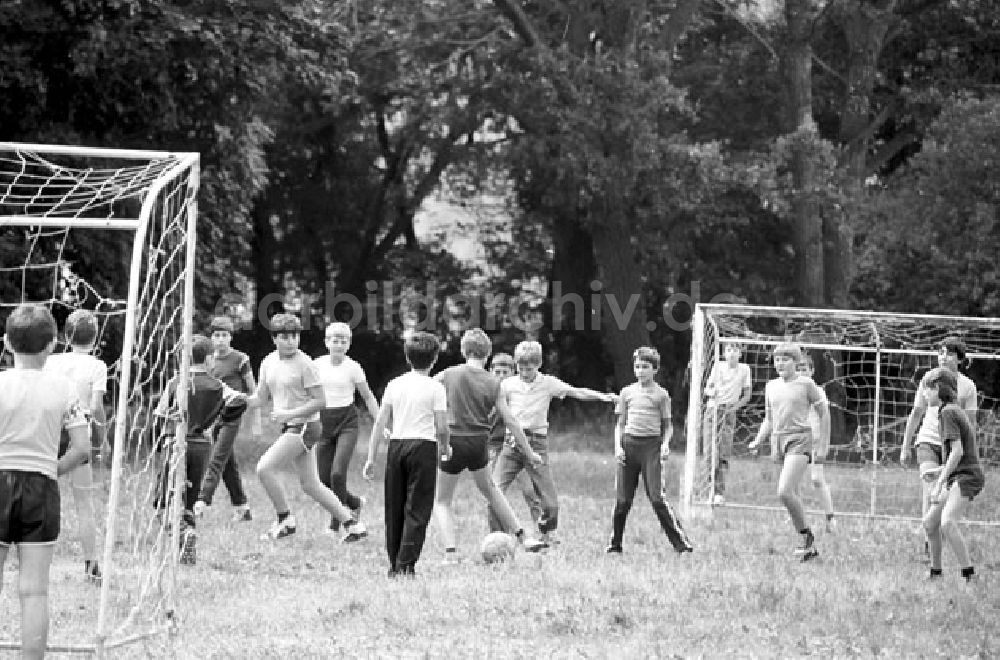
368, 471
536, 459
280, 416
445, 452
754, 447
664, 451
620, 454
613, 398
906, 455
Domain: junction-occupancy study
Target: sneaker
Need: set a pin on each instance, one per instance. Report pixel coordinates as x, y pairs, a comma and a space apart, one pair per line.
935, 575
356, 512
811, 553
550, 539
92, 570
281, 529
189, 540
354, 532
808, 541
533, 545
719, 499
684, 549
613, 549
831, 525
242, 514
199, 508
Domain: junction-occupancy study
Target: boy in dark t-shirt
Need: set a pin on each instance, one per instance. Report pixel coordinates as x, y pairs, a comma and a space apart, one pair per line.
473, 393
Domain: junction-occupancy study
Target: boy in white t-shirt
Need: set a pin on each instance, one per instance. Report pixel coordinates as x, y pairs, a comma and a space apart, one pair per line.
341, 378
90, 375
414, 410
289, 379
728, 389
35, 406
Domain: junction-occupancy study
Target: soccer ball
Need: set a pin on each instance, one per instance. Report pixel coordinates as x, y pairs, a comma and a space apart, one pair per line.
497, 547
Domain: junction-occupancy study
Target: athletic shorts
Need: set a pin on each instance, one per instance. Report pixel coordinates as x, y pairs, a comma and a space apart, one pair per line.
970, 484
337, 421
29, 508
799, 443
309, 432
928, 453
467, 453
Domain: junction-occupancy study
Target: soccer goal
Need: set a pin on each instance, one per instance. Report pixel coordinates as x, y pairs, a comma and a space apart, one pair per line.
112, 231
869, 364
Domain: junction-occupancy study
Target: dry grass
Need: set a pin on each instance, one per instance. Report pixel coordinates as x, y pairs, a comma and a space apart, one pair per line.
740, 594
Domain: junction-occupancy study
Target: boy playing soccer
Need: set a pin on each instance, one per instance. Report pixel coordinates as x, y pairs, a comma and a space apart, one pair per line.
787, 401
502, 366
414, 410
728, 389
528, 394
816, 472
642, 439
958, 481
951, 353
473, 394
341, 377
289, 379
35, 405
233, 368
90, 375
208, 398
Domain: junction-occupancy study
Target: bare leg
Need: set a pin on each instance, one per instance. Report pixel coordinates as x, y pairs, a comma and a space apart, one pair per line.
498, 503
446, 484
791, 474
820, 483
932, 530
33, 588
286, 448
305, 464
82, 479
951, 516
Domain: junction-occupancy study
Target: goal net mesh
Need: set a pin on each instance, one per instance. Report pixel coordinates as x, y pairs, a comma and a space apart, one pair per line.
870, 366
109, 232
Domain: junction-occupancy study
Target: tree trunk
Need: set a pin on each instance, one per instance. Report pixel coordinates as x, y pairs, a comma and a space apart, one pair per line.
806, 220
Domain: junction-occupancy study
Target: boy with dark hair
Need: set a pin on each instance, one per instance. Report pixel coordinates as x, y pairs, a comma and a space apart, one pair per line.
414, 410
90, 375
35, 405
208, 398
958, 481
642, 441
289, 379
232, 367
473, 394
787, 402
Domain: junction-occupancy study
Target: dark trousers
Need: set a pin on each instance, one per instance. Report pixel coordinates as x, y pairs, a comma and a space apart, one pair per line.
222, 464
642, 458
410, 478
195, 463
335, 450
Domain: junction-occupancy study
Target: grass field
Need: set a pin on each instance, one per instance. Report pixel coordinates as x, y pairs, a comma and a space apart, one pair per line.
740, 594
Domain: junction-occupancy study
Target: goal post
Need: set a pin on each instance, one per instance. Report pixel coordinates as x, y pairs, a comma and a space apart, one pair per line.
113, 231
869, 364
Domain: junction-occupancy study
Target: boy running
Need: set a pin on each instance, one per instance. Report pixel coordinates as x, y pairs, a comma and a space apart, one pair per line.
341, 378
232, 367
958, 481
35, 406
642, 440
415, 412
787, 401
289, 380
473, 394
528, 394
90, 375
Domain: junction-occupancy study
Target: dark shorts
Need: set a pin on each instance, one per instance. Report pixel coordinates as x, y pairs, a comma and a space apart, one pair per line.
969, 484
928, 453
337, 421
29, 508
64, 443
799, 443
467, 453
310, 432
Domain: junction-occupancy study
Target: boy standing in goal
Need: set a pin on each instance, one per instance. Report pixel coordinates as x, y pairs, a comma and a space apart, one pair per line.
642, 440
958, 481
232, 367
787, 401
472, 394
806, 369
289, 379
728, 389
90, 375
415, 412
35, 406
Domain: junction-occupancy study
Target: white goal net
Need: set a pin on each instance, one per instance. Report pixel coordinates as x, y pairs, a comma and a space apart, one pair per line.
111, 231
869, 365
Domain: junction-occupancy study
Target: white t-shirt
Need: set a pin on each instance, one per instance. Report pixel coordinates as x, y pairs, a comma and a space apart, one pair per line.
339, 381
414, 398
88, 372
35, 406
967, 399
288, 381
529, 402
729, 382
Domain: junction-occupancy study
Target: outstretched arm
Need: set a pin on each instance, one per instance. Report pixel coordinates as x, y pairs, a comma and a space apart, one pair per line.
586, 394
